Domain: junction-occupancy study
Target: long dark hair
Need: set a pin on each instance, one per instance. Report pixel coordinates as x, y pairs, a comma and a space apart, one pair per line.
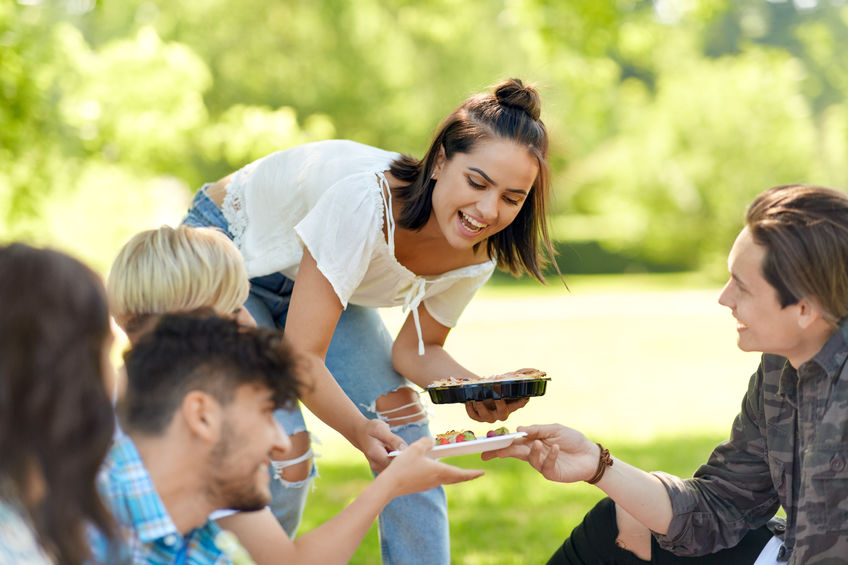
512, 113
56, 420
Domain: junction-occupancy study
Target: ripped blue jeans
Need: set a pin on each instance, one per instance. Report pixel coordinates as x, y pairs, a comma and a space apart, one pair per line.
414, 528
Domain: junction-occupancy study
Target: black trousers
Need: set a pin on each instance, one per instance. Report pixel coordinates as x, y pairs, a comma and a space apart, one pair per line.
592, 542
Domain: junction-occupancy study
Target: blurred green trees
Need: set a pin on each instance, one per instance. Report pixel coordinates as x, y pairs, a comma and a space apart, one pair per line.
666, 116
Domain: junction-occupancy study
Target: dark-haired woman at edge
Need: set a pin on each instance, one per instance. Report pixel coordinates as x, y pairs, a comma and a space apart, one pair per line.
332, 230
56, 420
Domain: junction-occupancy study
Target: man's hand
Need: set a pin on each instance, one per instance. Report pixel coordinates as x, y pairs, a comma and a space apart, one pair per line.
560, 454
493, 410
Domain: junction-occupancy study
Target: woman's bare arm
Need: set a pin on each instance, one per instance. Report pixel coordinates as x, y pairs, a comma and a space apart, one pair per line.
336, 540
437, 363
311, 320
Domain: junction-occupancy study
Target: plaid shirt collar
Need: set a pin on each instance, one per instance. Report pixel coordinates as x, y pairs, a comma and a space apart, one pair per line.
124, 480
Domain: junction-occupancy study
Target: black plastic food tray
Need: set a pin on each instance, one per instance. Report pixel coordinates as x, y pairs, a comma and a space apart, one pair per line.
520, 388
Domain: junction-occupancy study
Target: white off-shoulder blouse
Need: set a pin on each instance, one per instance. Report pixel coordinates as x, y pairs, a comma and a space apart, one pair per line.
329, 197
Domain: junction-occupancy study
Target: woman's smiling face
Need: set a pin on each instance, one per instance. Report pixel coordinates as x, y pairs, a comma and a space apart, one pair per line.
479, 193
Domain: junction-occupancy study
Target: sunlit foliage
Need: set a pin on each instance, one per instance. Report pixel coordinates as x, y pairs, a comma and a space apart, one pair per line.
666, 116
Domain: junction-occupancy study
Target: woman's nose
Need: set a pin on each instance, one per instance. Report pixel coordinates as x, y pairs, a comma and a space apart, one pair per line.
488, 208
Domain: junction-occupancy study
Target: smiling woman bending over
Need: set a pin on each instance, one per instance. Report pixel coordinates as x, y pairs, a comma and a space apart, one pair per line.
332, 230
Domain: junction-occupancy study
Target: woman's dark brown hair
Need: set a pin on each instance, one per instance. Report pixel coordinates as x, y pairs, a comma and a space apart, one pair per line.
510, 113
56, 420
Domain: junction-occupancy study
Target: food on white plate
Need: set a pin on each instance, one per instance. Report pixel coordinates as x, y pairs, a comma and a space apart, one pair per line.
454, 436
502, 431
453, 443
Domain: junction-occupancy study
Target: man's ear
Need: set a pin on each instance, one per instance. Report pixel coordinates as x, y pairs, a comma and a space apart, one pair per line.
808, 313
202, 415
440, 163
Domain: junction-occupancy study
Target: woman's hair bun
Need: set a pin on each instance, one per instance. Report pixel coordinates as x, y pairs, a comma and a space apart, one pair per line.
512, 92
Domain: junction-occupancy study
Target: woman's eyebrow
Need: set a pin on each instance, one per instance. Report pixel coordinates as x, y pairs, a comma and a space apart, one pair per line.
482, 174
493, 183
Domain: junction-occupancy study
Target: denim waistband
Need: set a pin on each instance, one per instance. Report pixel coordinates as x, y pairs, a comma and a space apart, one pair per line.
204, 212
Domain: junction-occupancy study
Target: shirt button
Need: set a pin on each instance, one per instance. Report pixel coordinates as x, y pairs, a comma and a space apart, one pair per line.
170, 539
837, 464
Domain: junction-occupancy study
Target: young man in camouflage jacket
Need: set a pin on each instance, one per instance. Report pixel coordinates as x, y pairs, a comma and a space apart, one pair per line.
788, 291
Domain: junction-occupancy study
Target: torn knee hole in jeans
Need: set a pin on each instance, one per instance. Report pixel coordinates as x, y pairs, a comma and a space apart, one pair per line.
280, 467
411, 411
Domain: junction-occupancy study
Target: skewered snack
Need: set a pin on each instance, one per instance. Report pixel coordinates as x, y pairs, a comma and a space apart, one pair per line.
502, 431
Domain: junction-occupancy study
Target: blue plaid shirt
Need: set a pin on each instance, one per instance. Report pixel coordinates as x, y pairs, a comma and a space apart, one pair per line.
148, 531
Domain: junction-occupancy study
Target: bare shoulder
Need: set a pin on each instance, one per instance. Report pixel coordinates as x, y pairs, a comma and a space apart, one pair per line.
218, 191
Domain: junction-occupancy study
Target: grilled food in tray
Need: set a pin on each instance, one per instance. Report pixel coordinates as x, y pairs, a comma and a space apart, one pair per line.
515, 384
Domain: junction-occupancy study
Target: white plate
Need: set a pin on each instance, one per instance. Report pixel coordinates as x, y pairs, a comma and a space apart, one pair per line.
473, 446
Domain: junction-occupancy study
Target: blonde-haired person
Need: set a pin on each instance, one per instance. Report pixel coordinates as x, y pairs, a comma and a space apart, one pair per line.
176, 270
189, 269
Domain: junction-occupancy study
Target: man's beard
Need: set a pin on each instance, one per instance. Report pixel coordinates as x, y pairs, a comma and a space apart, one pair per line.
232, 485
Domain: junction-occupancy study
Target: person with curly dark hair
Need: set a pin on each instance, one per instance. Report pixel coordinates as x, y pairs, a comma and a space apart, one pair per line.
56, 421
198, 416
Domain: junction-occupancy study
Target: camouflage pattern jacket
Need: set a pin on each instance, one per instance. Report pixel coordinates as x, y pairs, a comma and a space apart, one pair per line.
788, 447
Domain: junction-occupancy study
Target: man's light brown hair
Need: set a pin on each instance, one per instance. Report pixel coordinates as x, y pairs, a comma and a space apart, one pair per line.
805, 232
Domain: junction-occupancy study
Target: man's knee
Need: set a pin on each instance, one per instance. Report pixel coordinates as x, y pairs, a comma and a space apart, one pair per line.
594, 540
633, 536
400, 406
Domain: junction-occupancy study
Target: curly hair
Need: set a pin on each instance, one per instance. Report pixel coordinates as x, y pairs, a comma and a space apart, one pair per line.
56, 420
200, 351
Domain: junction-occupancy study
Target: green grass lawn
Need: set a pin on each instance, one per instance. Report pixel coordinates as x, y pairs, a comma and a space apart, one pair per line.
511, 515
646, 365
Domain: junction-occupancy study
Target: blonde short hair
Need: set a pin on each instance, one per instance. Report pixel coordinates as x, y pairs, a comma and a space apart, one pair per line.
176, 270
